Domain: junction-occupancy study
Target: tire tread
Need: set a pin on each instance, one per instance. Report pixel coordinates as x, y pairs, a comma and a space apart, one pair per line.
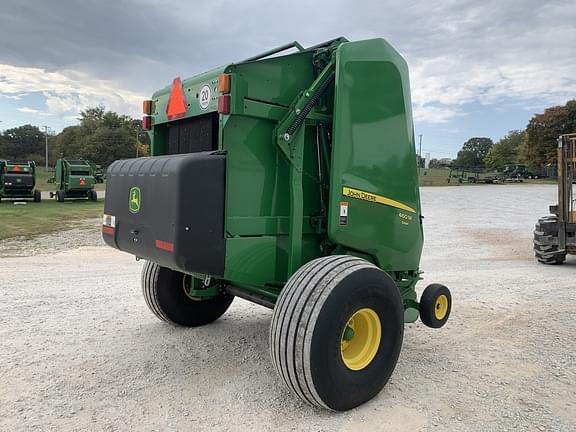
295, 316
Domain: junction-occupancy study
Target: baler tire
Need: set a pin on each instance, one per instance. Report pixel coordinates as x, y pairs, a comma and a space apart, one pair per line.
93, 195
308, 339
435, 305
37, 196
60, 195
165, 296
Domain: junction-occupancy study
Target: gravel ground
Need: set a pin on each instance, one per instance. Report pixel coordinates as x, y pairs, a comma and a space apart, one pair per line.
80, 351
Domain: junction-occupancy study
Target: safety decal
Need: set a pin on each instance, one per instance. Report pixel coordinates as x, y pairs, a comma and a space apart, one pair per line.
343, 213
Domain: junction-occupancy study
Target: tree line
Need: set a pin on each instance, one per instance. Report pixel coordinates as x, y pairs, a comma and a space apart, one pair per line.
101, 136
104, 136
535, 146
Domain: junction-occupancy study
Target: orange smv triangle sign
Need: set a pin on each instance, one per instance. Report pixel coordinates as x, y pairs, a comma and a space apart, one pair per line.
176, 107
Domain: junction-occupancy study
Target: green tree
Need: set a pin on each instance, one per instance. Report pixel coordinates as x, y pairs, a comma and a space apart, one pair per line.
107, 145
71, 140
506, 150
21, 141
119, 135
543, 131
473, 153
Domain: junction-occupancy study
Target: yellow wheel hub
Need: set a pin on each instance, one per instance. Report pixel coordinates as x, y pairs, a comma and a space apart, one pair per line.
361, 339
441, 307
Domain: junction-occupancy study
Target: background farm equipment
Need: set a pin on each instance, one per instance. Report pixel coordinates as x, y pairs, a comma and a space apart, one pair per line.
18, 180
74, 179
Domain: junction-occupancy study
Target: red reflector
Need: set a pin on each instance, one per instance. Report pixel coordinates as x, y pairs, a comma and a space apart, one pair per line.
165, 245
82, 182
224, 104
147, 122
107, 230
15, 168
176, 107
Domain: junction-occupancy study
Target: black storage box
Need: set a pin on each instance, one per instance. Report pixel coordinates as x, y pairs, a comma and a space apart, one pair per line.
18, 181
169, 210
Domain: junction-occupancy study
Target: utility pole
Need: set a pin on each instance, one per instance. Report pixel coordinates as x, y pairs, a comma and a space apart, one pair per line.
46, 136
136, 142
420, 147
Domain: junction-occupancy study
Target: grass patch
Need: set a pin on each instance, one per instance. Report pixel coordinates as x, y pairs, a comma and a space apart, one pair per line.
43, 174
435, 177
32, 218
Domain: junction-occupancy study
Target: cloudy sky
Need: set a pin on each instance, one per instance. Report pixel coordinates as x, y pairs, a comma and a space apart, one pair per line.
477, 68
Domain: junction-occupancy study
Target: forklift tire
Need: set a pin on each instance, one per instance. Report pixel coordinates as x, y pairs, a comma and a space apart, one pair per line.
435, 305
546, 241
164, 294
60, 195
336, 331
37, 196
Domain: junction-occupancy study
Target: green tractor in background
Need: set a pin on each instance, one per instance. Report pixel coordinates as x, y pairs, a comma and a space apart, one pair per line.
74, 179
289, 181
18, 180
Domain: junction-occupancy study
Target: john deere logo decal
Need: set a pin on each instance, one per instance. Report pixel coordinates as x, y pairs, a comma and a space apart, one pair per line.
134, 203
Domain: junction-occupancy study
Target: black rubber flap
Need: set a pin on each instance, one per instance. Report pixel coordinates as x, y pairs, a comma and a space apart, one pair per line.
169, 210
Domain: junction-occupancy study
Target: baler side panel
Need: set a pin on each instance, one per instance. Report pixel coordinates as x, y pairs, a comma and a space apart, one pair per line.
373, 159
257, 185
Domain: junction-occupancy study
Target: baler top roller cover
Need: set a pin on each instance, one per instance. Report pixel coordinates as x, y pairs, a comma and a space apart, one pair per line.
288, 179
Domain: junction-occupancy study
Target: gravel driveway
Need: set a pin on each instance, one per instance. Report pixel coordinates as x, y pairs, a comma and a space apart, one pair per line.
80, 351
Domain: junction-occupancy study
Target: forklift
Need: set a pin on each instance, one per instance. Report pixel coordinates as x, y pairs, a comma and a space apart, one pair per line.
555, 235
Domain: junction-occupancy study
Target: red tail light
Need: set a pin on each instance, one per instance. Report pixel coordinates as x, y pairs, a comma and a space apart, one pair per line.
224, 104
147, 122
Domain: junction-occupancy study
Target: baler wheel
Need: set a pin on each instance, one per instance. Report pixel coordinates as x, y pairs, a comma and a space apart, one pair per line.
337, 331
92, 195
435, 305
37, 196
60, 195
164, 295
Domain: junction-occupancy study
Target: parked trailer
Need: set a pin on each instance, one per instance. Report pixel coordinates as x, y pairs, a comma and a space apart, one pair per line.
18, 180
290, 181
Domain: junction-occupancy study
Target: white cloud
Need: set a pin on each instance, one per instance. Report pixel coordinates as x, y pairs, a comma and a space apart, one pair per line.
28, 110
13, 96
460, 52
67, 92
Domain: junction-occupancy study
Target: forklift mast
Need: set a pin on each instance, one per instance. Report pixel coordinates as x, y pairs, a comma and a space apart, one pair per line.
555, 234
566, 165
